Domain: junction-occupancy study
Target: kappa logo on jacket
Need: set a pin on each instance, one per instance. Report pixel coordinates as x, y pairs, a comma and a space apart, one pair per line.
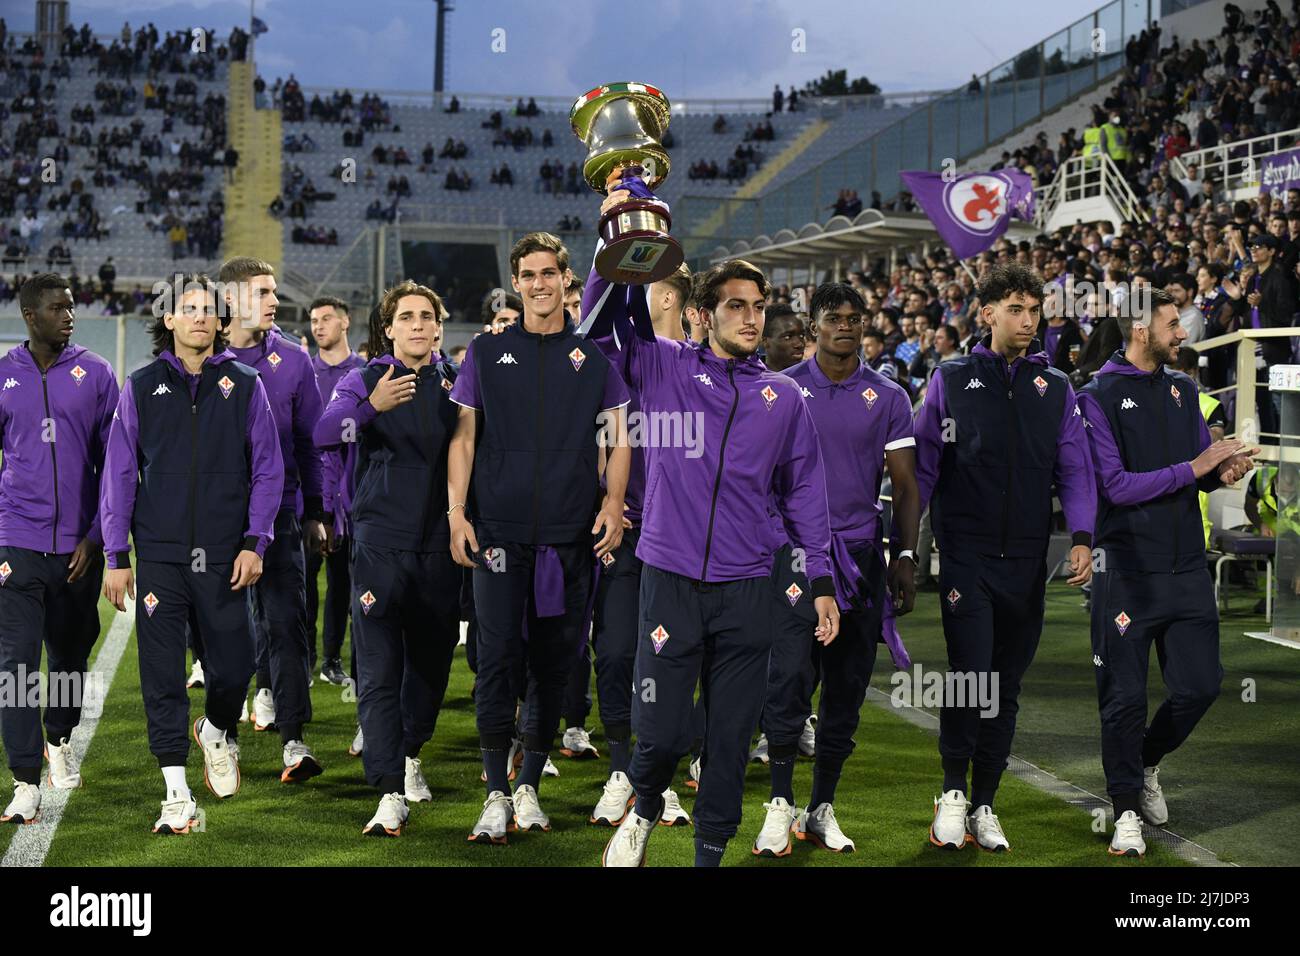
162, 389
507, 359
1097, 661
1128, 403
703, 379
78, 373
973, 383
803, 390
10, 383
274, 360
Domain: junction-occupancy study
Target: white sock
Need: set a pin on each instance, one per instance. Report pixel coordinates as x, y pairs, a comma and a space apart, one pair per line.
174, 778
211, 732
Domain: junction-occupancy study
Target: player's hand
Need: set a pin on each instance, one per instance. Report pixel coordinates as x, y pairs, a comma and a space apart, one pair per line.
1237, 467
610, 521
331, 539
1254, 299
828, 619
81, 557
119, 582
902, 585
1266, 531
613, 199
1080, 565
1215, 455
464, 543
390, 392
248, 568
314, 538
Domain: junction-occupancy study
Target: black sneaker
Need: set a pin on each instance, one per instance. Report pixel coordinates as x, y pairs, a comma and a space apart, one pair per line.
332, 671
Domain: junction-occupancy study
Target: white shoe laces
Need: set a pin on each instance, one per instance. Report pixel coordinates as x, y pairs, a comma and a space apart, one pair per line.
671, 802
1128, 829
615, 789
173, 810
66, 757
771, 826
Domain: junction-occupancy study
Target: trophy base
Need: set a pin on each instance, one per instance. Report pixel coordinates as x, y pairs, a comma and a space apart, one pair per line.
638, 249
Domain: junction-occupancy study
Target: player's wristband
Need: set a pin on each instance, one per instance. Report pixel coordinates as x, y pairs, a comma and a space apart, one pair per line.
459, 504
906, 553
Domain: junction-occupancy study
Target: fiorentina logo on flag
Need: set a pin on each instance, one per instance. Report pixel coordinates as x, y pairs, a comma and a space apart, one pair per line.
226, 385
150, 603
953, 597
870, 396
78, 373
659, 637
970, 212
607, 560
5, 571
769, 396
1122, 621
794, 593
367, 602
273, 360
1178, 396
577, 358
1041, 384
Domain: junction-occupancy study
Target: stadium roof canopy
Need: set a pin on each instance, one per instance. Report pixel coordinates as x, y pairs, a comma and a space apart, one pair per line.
869, 234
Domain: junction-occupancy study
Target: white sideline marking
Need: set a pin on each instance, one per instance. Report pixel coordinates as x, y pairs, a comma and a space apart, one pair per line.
32, 841
1180, 847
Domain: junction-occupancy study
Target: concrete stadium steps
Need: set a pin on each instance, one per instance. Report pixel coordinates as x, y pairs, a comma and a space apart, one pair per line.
250, 229
841, 133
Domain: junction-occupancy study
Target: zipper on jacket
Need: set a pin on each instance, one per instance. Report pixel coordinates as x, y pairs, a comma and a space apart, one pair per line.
717, 478
194, 456
1011, 458
541, 418
425, 431
54, 460
1164, 435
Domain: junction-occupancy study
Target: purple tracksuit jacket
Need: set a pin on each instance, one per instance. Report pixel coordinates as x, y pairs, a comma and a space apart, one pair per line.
49, 480
122, 467
286, 373
704, 512
336, 464
1073, 474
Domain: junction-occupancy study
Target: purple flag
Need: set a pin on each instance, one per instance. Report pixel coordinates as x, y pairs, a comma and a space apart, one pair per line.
973, 210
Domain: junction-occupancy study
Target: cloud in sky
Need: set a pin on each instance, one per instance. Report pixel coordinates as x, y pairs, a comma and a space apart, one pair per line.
692, 48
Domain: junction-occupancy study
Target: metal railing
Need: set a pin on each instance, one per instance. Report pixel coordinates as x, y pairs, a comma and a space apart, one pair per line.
1239, 398
1087, 177
1234, 165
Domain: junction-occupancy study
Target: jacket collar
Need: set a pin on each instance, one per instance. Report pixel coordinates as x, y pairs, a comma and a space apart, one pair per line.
225, 355
1118, 364
68, 353
1034, 354
821, 381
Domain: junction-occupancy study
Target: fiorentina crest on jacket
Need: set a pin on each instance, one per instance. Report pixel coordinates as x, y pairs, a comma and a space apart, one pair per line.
1122, 621
659, 637
1178, 396
78, 374
869, 396
226, 385
150, 603
367, 602
769, 395
1040, 383
577, 358
273, 360
794, 592
5, 571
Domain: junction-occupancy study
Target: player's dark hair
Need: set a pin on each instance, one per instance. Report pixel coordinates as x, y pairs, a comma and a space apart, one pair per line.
829, 296
496, 300
165, 338
538, 242
382, 315
335, 303
1141, 308
1188, 360
781, 312
34, 289
1003, 281
723, 272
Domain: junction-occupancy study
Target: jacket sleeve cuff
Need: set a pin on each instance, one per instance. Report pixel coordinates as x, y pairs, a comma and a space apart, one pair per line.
119, 560
823, 586
314, 509
1081, 538
253, 542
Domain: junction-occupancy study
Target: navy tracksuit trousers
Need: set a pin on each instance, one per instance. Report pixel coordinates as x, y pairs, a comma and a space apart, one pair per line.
1130, 612
338, 596
614, 635
168, 596
406, 625
717, 635
798, 658
992, 621
39, 607
277, 608
515, 646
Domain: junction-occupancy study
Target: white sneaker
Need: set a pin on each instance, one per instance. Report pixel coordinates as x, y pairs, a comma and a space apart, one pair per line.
25, 806
497, 817
1152, 801
986, 831
178, 816
389, 818
548, 769
949, 827
220, 763
196, 674
774, 838
263, 710
759, 752
615, 802
808, 739
358, 742
693, 774
528, 812
627, 846
576, 743
1127, 839
64, 772
243, 712
674, 813
819, 827
299, 763
417, 788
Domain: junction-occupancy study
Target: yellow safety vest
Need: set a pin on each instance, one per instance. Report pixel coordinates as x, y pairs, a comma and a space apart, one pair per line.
1208, 404
1092, 141
1288, 518
1116, 142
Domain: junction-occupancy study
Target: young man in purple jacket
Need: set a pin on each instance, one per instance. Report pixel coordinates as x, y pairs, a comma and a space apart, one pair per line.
56, 405
999, 430
706, 545
864, 424
193, 475
1152, 453
278, 601
333, 360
